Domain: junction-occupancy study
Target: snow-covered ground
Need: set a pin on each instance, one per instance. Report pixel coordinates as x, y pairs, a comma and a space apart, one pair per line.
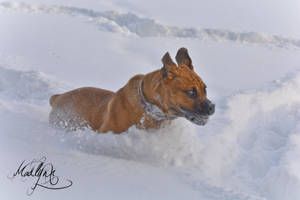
248, 58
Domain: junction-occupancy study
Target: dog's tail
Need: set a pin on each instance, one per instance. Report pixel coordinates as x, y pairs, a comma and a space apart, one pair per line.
52, 99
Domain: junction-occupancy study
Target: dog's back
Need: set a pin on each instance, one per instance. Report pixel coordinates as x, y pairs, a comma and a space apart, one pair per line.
79, 108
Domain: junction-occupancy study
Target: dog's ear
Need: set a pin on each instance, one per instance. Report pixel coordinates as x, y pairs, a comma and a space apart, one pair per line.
182, 57
167, 63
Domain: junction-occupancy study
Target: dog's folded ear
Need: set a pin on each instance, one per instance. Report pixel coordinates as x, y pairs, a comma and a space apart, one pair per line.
182, 57
167, 63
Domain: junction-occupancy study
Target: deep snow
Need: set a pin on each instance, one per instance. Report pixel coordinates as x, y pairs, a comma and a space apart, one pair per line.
248, 150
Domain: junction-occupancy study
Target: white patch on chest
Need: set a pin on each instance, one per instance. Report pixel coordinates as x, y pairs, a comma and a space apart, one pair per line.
155, 112
158, 98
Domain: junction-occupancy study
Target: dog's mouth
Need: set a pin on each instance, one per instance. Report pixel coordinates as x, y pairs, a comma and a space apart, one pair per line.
196, 118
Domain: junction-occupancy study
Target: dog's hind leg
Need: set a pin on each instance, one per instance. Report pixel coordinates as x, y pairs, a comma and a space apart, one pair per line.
64, 119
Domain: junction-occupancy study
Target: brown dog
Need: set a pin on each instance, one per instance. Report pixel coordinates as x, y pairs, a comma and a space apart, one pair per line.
147, 101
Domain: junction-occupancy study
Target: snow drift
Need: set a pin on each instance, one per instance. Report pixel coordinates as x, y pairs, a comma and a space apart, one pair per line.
27, 86
131, 24
249, 149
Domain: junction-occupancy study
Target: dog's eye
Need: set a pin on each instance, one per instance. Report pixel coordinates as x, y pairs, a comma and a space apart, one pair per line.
191, 93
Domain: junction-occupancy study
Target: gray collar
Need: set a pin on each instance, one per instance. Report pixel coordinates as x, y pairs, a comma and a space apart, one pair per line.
150, 109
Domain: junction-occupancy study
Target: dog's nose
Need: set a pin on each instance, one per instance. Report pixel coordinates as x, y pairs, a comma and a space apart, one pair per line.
211, 108
207, 108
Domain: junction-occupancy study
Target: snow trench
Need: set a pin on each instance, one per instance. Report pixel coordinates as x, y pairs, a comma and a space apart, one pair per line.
131, 24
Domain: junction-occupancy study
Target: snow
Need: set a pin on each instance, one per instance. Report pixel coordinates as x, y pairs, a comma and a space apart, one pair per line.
249, 149
131, 24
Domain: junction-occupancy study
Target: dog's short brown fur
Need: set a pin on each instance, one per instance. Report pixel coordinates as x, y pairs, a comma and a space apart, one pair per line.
175, 91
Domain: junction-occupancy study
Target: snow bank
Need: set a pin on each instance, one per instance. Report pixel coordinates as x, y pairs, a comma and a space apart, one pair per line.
131, 24
256, 150
27, 86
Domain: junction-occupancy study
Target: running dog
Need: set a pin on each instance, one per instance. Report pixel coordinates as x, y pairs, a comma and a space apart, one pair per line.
147, 101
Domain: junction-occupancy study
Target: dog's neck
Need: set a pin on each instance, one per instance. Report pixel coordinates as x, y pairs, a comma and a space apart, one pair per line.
150, 109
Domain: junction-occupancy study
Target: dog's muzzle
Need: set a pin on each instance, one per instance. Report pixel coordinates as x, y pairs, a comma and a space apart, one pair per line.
201, 115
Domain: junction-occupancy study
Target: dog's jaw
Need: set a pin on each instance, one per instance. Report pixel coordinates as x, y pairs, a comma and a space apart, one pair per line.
193, 117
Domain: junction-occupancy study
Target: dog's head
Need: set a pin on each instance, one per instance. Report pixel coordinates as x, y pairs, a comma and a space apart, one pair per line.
182, 92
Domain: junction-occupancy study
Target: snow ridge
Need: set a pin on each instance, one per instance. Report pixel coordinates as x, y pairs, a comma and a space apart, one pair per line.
27, 86
131, 24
